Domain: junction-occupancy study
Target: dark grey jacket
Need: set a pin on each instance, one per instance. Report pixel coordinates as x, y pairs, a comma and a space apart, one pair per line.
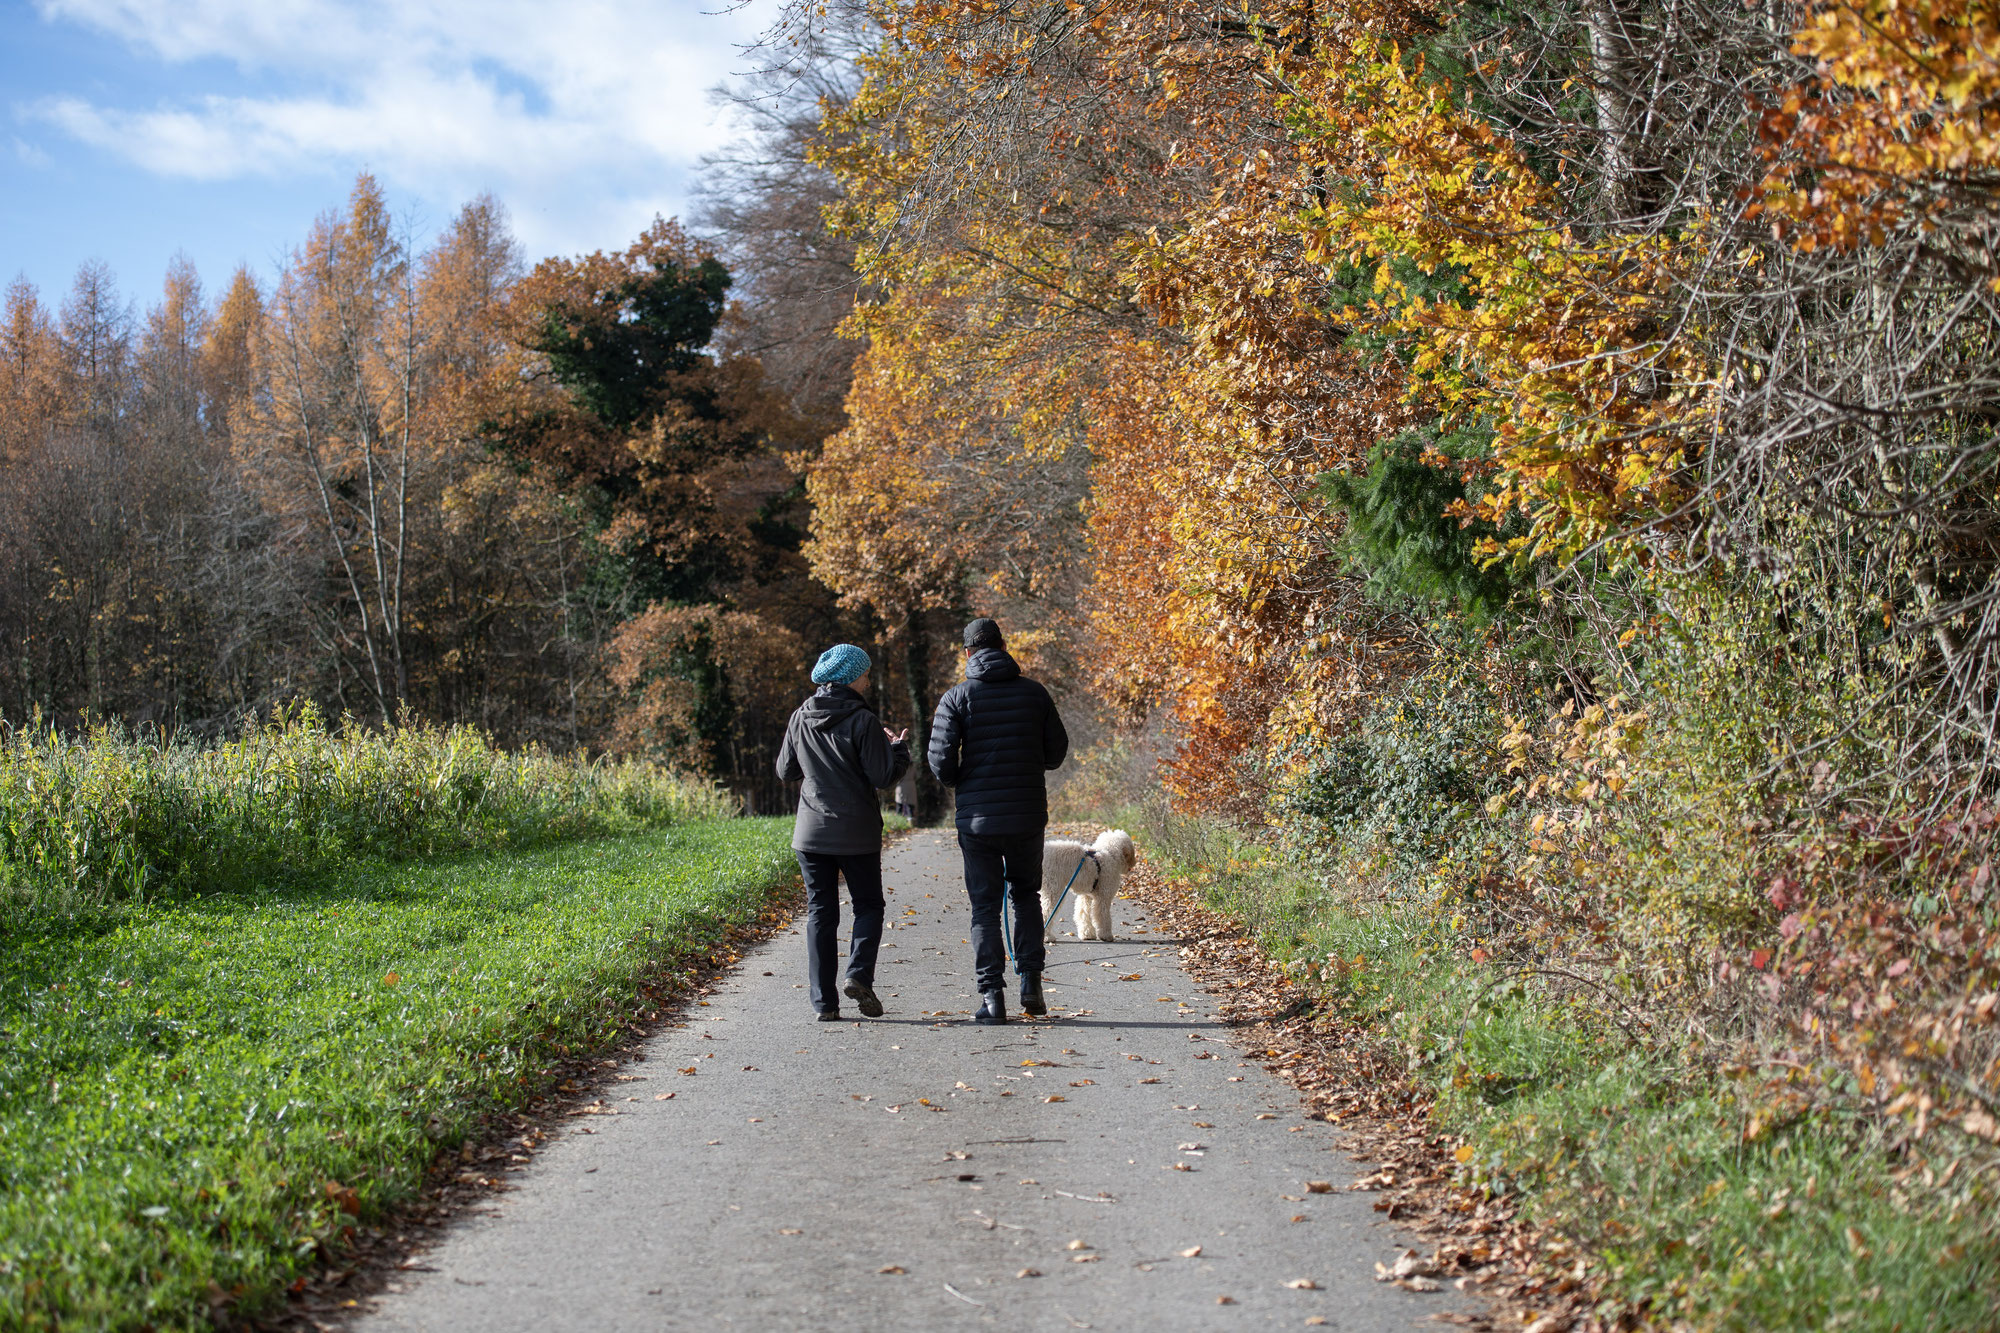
836, 748
995, 736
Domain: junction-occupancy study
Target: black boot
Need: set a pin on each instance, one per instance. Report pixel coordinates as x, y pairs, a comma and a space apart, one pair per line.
1031, 994
994, 1010
864, 998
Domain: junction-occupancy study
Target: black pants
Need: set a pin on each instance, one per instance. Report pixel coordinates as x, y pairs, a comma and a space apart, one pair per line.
864, 886
1009, 863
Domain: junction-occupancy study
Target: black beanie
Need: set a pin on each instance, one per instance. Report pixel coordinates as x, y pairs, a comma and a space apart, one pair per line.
983, 633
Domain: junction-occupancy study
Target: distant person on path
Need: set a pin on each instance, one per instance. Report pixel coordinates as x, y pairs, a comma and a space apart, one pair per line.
842, 755
996, 736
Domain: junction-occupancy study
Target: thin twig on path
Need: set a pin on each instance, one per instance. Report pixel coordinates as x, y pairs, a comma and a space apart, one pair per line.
975, 1142
961, 1295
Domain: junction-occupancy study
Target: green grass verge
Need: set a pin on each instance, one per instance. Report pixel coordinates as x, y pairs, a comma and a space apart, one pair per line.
179, 1084
1698, 1198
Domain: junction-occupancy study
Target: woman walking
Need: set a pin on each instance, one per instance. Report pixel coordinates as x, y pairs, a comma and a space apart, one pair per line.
842, 755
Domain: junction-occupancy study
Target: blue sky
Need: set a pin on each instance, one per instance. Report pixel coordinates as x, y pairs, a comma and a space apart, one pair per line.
132, 129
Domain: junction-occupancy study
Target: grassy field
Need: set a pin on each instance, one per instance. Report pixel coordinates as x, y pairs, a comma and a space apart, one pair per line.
196, 1095
106, 817
1703, 1196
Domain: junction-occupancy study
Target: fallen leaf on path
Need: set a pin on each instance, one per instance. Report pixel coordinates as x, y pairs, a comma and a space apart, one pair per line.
1409, 1266
1319, 1187
1084, 1083
954, 1155
1083, 1258
1182, 1166
791, 1231
1191, 1147
1266, 1115
1055, 1097
1303, 1284
1316, 1321
1225, 1300
1191, 1251
690, 1069
1029, 1272
1202, 1124
663, 1096
1149, 1080
892, 1268
1298, 1217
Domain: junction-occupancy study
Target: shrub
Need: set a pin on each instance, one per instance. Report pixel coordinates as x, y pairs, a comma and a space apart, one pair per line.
1405, 788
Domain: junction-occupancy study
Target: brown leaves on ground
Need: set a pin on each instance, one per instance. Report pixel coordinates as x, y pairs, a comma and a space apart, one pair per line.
1352, 1077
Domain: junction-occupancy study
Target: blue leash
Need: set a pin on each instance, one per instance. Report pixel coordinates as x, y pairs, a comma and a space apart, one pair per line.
1007, 917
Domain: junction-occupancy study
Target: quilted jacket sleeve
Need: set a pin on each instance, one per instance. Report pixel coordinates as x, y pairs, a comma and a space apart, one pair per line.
948, 736
1055, 738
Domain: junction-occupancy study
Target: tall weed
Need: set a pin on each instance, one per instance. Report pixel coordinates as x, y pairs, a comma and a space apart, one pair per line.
111, 817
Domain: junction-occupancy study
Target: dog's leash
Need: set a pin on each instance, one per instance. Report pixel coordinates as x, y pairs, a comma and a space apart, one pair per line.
1007, 917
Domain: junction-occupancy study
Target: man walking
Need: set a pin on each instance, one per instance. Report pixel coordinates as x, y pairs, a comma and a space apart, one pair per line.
995, 735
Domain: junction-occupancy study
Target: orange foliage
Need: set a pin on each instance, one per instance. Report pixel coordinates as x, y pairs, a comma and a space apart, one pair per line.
1127, 275
1901, 128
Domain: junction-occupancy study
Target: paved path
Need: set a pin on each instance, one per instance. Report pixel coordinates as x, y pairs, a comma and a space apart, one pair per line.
899, 1174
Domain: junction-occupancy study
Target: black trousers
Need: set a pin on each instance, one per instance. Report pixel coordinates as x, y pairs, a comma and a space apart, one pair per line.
1009, 865
864, 886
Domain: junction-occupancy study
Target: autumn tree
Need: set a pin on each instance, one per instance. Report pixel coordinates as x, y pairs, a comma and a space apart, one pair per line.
672, 451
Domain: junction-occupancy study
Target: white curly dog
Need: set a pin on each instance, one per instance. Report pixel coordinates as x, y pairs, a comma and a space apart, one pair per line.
1097, 869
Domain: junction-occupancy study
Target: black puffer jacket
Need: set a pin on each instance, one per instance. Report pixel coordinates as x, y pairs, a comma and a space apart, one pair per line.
995, 735
838, 751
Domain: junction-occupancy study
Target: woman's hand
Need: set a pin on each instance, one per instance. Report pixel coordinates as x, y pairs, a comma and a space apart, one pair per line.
896, 737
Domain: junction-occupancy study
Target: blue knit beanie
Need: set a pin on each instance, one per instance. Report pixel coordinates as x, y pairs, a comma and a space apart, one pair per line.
842, 664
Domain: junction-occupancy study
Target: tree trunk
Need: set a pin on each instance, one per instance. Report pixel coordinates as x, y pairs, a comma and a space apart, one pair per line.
923, 702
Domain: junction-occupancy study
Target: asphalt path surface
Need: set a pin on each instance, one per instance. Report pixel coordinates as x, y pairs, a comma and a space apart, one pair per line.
905, 1172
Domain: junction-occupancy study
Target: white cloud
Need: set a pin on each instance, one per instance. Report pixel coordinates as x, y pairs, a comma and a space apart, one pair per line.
564, 109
